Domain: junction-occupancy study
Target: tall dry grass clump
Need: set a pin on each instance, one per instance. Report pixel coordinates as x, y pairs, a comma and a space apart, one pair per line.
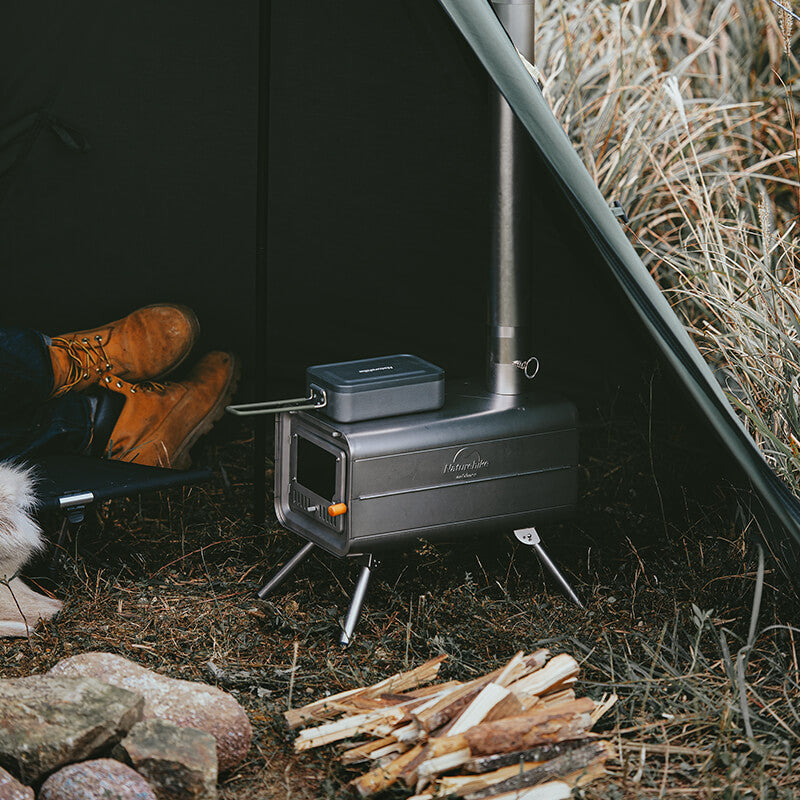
683, 111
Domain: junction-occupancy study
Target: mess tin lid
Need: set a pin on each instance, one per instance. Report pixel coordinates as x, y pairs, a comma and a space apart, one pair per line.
374, 373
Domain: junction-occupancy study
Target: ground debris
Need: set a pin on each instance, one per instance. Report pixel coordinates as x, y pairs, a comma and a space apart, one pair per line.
677, 727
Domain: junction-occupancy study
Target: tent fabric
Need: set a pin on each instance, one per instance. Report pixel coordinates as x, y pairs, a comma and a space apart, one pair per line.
379, 212
127, 162
490, 42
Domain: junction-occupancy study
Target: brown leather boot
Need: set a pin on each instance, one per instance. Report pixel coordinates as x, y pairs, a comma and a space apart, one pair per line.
159, 423
146, 344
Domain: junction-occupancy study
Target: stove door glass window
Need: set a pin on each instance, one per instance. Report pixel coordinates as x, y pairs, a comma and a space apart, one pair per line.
316, 469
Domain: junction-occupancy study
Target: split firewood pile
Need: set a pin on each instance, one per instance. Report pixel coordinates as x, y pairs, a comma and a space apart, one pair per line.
519, 732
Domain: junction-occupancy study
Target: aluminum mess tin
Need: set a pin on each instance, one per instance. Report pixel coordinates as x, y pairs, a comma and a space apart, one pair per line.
481, 463
377, 387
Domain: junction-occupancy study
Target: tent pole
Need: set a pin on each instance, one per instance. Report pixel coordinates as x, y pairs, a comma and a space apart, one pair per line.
262, 200
512, 235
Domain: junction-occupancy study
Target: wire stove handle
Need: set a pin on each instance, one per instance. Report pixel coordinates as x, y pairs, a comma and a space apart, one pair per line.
316, 399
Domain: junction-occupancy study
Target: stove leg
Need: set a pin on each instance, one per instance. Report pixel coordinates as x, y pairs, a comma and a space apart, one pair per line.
530, 537
287, 569
357, 600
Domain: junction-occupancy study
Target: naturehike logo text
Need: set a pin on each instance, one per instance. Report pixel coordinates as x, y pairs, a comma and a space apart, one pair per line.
466, 463
375, 369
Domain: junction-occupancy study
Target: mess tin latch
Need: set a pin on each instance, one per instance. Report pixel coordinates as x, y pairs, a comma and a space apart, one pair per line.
316, 399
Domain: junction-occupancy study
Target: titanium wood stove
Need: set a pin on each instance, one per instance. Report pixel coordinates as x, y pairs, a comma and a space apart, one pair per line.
479, 464
381, 453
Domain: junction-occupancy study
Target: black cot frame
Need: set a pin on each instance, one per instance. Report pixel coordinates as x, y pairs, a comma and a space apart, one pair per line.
68, 484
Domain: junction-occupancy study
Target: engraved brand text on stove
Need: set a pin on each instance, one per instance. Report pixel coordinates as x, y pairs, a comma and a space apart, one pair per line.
465, 462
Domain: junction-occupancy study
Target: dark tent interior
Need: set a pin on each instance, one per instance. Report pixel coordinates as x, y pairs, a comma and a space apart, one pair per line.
129, 154
378, 174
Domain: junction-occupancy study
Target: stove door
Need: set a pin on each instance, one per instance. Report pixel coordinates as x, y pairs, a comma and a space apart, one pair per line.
310, 478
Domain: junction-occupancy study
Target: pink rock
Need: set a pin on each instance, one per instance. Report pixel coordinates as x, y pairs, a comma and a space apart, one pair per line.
102, 779
12, 789
184, 703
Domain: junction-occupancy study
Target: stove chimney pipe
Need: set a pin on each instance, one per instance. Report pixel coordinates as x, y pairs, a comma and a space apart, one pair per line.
512, 237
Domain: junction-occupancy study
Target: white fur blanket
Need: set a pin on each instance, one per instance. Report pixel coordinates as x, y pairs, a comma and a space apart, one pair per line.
20, 537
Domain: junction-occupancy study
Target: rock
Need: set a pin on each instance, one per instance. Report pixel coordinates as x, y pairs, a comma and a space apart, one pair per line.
47, 721
185, 703
179, 763
12, 789
102, 779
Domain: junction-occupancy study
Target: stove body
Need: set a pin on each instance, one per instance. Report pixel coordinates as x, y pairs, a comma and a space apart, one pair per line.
481, 463
368, 475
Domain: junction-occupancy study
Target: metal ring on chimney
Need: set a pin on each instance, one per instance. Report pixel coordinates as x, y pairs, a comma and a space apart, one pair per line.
525, 367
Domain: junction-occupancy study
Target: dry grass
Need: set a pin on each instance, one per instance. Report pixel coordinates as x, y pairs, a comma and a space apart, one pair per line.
684, 111
705, 702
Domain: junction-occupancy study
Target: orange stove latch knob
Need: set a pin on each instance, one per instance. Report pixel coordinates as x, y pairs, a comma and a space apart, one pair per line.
337, 509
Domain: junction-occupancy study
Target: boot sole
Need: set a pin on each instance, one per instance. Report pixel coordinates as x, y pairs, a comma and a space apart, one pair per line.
181, 458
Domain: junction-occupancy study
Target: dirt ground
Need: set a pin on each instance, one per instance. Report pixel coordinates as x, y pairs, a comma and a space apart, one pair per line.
656, 552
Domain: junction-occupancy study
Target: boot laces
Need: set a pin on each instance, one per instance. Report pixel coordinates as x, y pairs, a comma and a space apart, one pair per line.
139, 386
148, 386
84, 357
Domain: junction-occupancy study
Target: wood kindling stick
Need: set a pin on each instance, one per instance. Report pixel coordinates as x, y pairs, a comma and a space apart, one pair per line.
560, 668
605, 705
453, 704
395, 684
390, 749
508, 673
520, 666
380, 778
360, 705
363, 705
573, 761
585, 776
436, 766
376, 722
450, 752
319, 709
504, 736
554, 790
542, 725
409, 733
425, 691
547, 700
411, 679
568, 721
487, 699
441, 712
462, 784
543, 752
422, 704
556, 698
363, 752
509, 706
409, 774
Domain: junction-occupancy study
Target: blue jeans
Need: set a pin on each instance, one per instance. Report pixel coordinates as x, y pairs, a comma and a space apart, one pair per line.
30, 421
